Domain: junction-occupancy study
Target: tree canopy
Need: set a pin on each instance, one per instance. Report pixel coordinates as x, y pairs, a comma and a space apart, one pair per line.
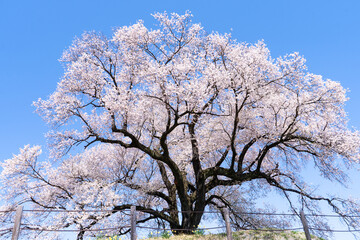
175, 121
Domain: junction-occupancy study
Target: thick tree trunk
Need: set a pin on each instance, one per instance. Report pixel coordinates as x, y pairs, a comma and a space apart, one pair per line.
190, 222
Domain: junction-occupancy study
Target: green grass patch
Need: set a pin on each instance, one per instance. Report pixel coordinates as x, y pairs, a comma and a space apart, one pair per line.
244, 235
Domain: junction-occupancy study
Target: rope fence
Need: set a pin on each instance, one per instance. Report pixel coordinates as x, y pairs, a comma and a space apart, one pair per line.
148, 211
18, 226
71, 230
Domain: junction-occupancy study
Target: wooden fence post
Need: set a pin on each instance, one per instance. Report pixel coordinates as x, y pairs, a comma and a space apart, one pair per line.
133, 222
227, 223
305, 225
17, 223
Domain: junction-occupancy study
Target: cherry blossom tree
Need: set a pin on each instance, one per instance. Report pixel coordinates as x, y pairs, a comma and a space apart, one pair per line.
176, 121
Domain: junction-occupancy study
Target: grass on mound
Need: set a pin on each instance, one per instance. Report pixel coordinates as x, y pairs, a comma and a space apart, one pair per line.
242, 235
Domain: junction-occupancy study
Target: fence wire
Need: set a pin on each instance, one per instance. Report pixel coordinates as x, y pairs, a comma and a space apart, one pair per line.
27, 228
174, 211
72, 230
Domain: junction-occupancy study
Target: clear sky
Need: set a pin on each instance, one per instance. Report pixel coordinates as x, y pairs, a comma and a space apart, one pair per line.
33, 35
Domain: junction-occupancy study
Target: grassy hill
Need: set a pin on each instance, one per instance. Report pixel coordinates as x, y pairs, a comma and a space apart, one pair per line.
240, 235
244, 235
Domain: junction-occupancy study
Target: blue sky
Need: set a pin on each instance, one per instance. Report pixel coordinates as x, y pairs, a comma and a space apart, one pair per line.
33, 35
